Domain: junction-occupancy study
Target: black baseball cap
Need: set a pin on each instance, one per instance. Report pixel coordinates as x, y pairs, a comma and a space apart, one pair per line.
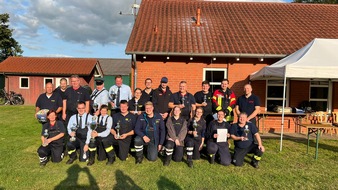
164, 80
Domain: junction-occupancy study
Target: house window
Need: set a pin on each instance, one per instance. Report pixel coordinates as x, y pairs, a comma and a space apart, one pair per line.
24, 82
47, 80
319, 95
274, 94
215, 77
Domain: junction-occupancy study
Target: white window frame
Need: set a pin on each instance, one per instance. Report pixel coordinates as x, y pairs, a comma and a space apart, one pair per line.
329, 95
20, 85
215, 69
46, 78
281, 99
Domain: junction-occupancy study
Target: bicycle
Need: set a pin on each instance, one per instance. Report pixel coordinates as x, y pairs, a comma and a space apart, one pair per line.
10, 99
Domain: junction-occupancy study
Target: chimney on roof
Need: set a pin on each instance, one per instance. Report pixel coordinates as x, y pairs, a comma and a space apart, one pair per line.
198, 21
155, 29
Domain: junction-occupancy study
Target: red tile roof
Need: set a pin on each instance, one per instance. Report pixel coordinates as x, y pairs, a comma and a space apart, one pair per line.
229, 28
48, 65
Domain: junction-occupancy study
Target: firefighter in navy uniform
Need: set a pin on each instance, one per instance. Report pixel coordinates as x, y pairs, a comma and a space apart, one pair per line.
147, 93
52, 139
213, 147
102, 143
49, 100
204, 99
136, 104
161, 98
184, 100
82, 134
194, 140
124, 123
150, 131
73, 95
177, 131
244, 133
224, 99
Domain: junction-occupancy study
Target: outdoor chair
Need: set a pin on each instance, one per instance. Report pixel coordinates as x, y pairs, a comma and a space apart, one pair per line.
324, 118
335, 122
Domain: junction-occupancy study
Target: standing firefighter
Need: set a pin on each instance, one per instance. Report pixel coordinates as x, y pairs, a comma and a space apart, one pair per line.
225, 99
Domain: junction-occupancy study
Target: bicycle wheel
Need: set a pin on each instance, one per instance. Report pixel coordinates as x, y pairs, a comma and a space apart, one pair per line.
22, 101
18, 101
2, 100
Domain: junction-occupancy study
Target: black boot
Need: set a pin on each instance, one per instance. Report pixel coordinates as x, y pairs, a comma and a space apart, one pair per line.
212, 158
71, 160
254, 163
139, 160
190, 164
91, 158
110, 161
43, 164
167, 160
91, 161
43, 161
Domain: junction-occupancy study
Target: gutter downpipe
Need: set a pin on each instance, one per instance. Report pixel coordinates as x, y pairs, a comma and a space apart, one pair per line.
135, 69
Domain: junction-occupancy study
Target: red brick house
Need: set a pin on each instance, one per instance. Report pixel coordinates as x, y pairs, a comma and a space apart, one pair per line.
28, 75
202, 40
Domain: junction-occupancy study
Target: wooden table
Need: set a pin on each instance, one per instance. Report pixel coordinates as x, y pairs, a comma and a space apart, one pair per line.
316, 129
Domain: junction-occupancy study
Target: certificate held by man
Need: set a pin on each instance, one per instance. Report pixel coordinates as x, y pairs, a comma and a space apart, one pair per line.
222, 135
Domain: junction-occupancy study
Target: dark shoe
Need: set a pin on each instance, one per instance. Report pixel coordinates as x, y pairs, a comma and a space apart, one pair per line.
167, 160
91, 162
43, 164
139, 160
71, 160
190, 164
166, 163
212, 159
254, 164
110, 161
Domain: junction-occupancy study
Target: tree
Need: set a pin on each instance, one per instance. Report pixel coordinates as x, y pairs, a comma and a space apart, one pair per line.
317, 1
8, 45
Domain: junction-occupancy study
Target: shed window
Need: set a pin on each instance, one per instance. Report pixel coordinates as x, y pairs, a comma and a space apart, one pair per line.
24, 82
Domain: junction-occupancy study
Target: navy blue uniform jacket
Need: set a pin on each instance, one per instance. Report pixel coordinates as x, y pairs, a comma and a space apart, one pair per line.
141, 127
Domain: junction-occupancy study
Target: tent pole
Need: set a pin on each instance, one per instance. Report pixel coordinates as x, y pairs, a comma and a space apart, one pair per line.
282, 125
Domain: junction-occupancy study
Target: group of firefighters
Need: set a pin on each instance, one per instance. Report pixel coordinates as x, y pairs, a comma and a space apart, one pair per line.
153, 121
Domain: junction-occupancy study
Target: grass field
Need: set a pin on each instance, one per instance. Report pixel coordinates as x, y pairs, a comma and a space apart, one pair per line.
289, 169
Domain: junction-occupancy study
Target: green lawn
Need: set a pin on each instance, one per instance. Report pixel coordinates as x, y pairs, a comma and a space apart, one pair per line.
289, 169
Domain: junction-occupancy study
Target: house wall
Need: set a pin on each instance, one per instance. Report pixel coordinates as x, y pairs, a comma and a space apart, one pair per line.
238, 75
299, 92
36, 86
192, 72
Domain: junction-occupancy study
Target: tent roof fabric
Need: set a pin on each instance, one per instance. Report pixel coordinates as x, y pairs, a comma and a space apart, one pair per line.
318, 59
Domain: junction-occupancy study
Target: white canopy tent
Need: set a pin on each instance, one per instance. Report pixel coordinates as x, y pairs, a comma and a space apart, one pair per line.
316, 60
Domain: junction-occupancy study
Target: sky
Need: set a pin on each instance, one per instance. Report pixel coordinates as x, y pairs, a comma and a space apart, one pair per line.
73, 28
